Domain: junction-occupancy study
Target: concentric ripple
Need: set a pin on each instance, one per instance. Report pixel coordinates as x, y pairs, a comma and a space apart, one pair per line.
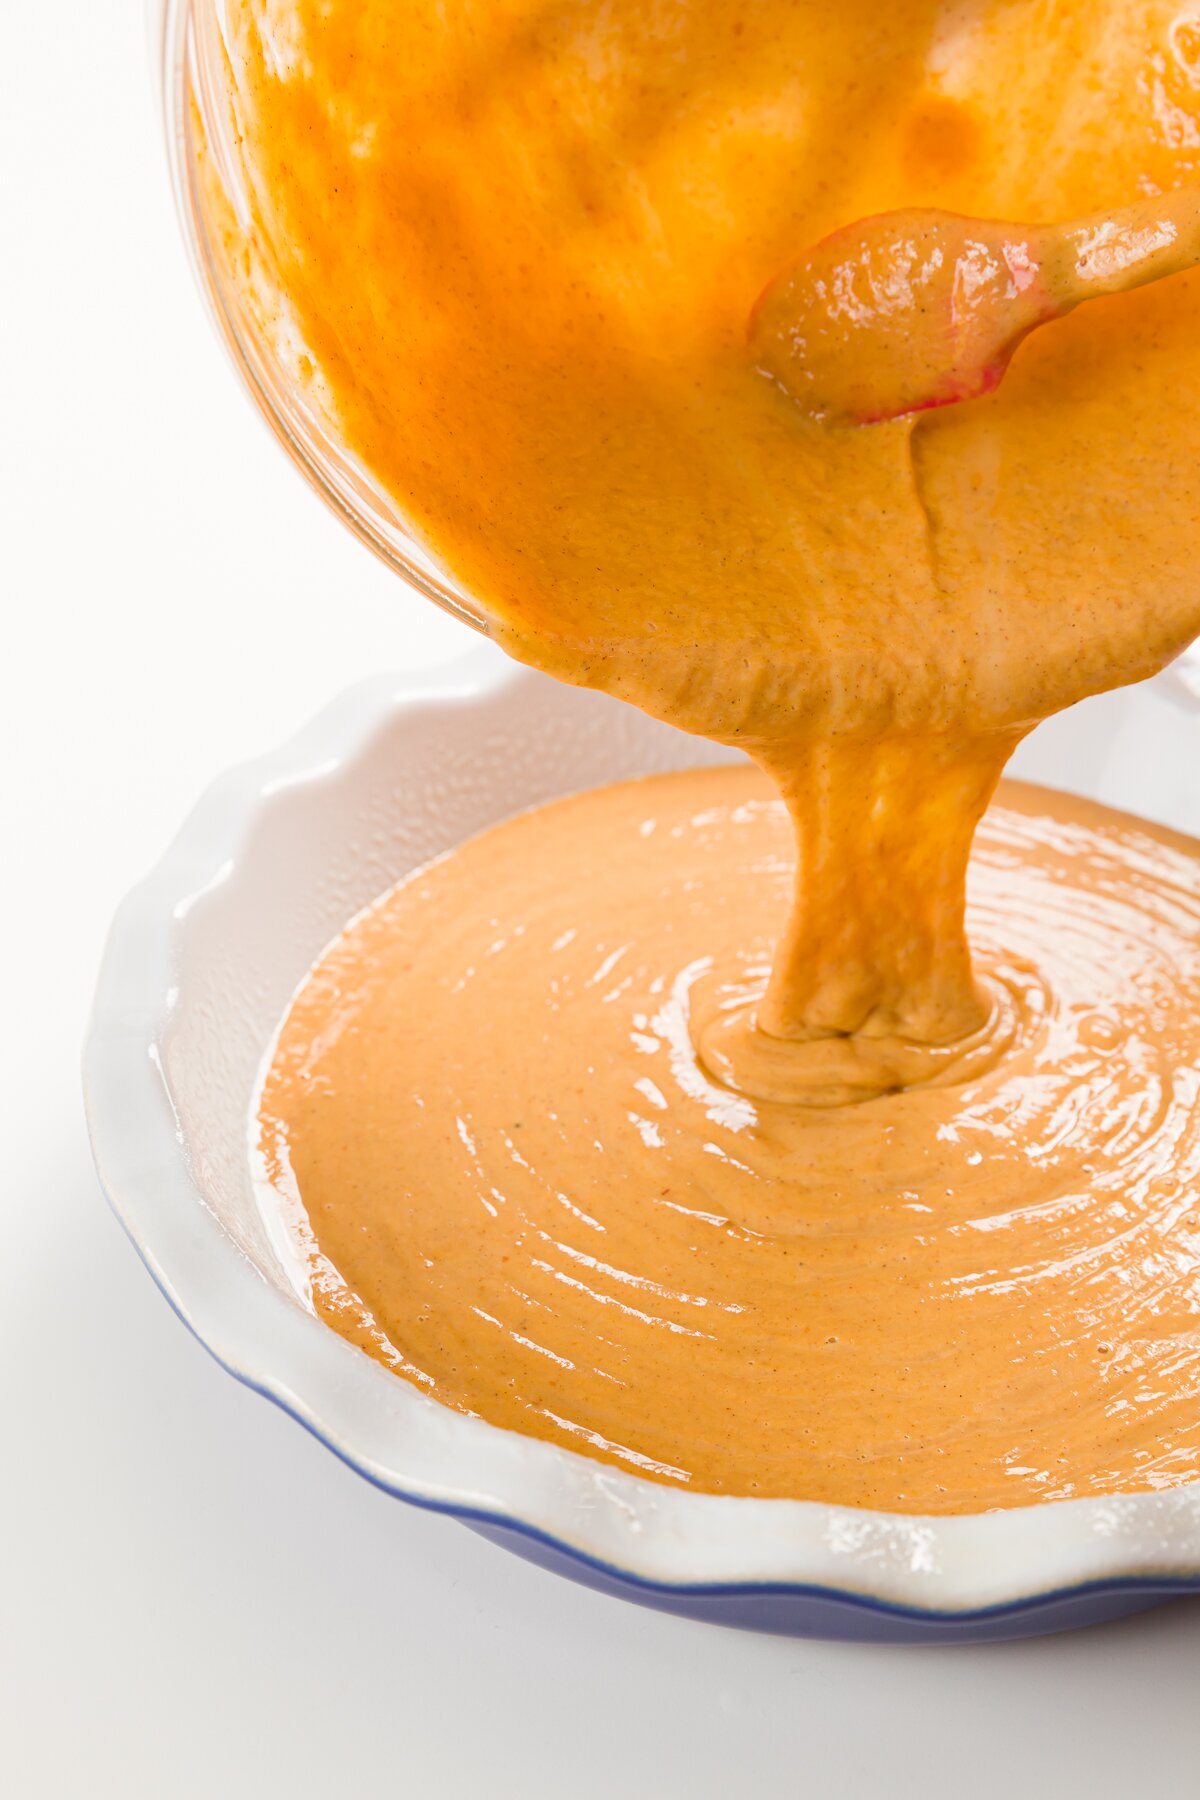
516, 1181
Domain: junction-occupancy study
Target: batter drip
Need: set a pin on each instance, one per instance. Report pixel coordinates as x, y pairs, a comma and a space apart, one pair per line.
509, 249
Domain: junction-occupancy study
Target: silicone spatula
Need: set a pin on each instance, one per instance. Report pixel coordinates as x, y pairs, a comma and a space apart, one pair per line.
921, 308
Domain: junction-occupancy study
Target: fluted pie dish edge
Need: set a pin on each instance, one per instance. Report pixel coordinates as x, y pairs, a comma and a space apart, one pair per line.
202, 958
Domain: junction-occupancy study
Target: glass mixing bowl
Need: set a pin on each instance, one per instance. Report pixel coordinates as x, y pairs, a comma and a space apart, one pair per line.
187, 49
188, 53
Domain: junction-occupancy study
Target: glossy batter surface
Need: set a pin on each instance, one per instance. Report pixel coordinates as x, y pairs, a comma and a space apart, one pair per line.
530, 1195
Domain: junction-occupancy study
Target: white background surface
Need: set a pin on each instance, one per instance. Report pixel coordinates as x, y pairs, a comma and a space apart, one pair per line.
196, 1599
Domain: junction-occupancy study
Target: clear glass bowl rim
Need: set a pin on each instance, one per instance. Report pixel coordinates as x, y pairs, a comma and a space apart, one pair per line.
344, 485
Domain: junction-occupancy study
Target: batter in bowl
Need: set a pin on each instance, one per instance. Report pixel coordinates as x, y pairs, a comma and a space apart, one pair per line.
513, 249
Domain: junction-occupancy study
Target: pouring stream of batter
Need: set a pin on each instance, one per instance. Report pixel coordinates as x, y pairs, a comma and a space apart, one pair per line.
507, 252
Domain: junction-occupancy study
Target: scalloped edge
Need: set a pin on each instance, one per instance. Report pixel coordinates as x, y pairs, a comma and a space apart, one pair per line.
655, 1539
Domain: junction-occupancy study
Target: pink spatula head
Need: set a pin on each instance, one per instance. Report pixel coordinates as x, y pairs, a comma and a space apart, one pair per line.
920, 308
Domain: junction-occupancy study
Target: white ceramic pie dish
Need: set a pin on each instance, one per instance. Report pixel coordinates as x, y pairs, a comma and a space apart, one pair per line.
202, 960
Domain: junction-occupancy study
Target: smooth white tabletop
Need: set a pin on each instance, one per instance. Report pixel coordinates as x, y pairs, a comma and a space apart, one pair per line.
197, 1600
